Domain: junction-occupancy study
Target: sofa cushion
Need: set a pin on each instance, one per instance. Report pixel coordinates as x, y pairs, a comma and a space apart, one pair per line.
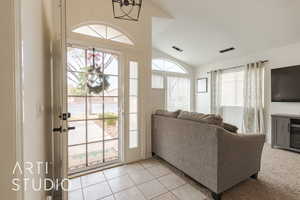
191, 116
200, 117
167, 113
230, 127
213, 119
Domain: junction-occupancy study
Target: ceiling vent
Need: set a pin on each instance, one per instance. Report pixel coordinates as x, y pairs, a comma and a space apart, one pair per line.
226, 50
177, 49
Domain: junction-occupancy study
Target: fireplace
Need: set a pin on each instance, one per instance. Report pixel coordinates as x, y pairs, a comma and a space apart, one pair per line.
295, 134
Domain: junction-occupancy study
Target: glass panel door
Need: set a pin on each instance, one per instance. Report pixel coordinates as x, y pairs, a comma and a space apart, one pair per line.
93, 102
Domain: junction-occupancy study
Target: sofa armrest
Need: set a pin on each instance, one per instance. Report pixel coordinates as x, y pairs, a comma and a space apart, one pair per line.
237, 146
239, 157
246, 144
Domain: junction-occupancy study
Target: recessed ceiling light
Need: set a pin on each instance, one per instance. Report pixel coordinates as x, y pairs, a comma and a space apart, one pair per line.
177, 49
226, 50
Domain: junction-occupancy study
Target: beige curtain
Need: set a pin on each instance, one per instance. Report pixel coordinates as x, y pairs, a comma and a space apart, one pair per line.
253, 114
216, 92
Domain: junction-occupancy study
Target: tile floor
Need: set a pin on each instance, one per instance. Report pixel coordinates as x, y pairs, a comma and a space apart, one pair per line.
156, 180
150, 179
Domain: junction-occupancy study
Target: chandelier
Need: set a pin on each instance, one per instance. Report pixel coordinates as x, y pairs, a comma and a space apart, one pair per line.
127, 9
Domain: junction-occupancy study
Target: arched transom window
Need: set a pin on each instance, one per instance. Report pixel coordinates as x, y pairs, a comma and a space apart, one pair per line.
167, 66
102, 31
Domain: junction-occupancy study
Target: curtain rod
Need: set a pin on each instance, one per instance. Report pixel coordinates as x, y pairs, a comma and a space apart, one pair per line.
227, 68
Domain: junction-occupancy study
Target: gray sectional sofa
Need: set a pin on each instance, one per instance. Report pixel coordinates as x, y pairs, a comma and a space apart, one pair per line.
211, 155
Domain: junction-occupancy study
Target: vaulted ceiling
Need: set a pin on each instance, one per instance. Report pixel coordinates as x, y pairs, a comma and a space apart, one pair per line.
203, 27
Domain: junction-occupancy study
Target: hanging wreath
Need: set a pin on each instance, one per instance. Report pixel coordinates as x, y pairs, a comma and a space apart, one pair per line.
97, 81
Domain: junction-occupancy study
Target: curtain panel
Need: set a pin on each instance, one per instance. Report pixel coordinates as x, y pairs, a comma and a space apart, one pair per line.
216, 92
253, 108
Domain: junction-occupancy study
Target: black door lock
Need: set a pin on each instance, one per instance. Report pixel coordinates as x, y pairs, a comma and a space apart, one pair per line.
65, 116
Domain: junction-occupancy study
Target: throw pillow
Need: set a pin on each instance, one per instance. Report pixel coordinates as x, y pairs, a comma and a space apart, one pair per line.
230, 127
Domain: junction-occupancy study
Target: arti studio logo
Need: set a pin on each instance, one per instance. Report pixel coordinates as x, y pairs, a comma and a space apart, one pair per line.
35, 178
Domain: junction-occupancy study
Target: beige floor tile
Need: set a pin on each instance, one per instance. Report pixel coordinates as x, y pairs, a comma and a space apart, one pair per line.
74, 184
167, 196
120, 183
152, 189
98, 191
92, 179
134, 167
115, 172
171, 181
188, 192
75, 195
141, 176
150, 163
130, 194
109, 198
159, 171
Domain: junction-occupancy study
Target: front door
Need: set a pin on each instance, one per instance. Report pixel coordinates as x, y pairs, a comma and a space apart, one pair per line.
94, 104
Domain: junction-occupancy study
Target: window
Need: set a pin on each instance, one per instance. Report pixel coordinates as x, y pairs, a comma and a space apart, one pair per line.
133, 105
167, 66
232, 83
178, 93
157, 81
103, 32
176, 80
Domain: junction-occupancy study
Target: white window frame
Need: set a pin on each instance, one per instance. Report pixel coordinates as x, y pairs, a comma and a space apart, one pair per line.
228, 72
166, 74
76, 29
137, 79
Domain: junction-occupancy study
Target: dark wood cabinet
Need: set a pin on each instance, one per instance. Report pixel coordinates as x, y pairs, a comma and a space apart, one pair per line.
282, 130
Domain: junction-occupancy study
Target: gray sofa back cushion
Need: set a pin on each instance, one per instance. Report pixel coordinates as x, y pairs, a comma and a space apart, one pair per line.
200, 117
166, 113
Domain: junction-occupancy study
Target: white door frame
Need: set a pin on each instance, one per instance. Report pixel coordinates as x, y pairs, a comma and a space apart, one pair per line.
125, 56
59, 85
127, 53
18, 93
70, 38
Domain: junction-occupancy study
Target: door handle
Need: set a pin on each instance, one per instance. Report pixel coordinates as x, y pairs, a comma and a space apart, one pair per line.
71, 128
60, 129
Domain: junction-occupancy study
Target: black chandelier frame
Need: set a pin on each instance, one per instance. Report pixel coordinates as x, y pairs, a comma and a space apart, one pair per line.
126, 15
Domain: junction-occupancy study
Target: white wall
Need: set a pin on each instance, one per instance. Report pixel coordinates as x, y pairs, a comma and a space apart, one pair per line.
8, 145
278, 57
36, 72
